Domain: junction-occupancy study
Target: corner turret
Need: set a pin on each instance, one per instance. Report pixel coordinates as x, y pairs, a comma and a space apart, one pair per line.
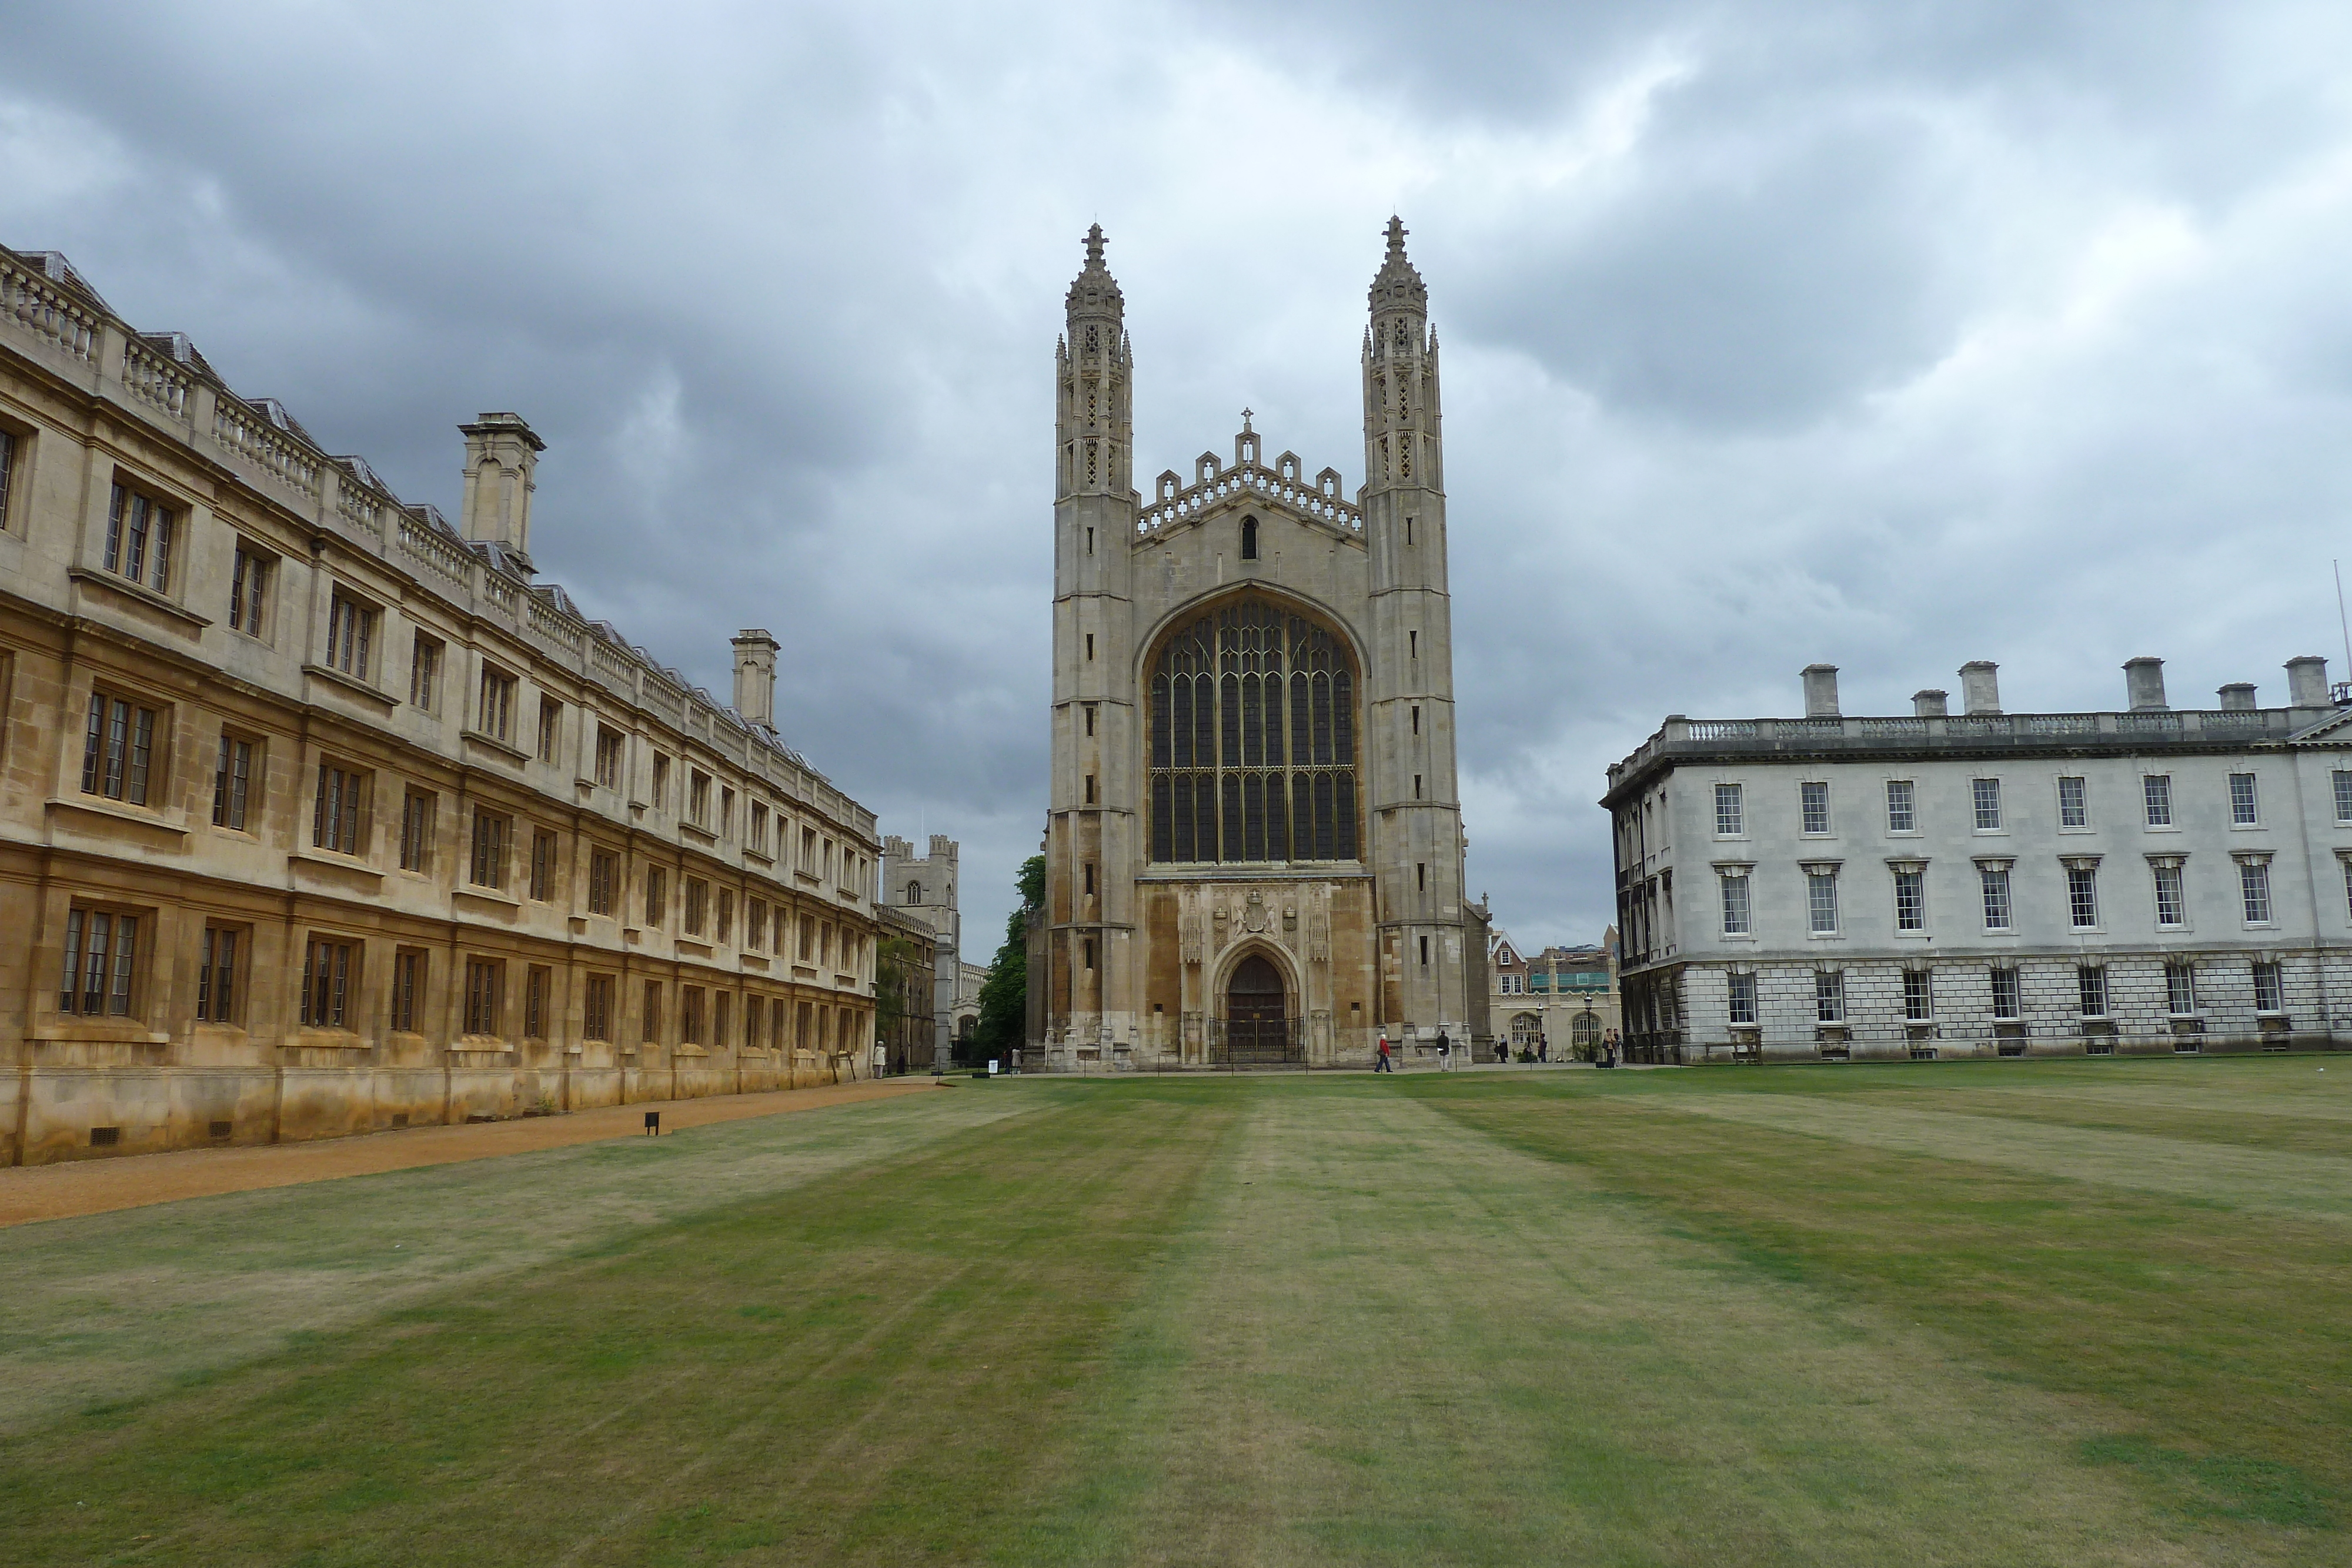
1095, 366
1401, 410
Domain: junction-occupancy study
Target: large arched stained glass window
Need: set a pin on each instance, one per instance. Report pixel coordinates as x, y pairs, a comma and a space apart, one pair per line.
1252, 740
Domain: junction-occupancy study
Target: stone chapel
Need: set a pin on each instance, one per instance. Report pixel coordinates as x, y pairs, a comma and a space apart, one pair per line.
1254, 847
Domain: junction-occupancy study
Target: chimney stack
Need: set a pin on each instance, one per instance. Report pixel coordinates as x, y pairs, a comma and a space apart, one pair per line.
501, 455
1820, 691
2144, 684
2237, 696
2306, 682
755, 677
1931, 703
1980, 686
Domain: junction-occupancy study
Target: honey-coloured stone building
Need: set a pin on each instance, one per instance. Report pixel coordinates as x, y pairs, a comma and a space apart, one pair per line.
320, 814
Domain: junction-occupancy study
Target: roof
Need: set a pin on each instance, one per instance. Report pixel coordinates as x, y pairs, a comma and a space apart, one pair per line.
1681, 741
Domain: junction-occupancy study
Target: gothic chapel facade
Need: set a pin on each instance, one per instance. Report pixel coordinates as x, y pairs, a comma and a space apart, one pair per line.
1254, 847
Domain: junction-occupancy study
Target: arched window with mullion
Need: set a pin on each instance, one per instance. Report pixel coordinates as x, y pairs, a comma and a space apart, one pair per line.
1252, 740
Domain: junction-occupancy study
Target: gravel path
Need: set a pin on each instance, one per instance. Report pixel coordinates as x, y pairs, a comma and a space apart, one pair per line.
96, 1187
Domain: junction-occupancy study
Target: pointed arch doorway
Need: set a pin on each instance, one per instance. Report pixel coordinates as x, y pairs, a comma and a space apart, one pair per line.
1257, 1024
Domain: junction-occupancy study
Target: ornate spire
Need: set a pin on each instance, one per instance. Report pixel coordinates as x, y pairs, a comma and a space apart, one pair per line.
1095, 363
1398, 283
1094, 292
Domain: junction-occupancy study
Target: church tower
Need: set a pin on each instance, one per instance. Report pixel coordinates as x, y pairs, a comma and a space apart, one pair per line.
1253, 843
1091, 826
1417, 818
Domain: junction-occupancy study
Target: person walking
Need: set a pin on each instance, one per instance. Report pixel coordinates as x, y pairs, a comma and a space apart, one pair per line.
1543, 1047
1381, 1063
1445, 1052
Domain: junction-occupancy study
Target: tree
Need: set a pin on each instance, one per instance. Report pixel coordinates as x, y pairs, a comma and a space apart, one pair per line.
1005, 997
893, 965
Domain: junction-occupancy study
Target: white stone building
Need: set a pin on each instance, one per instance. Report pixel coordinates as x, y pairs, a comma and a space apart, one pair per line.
1254, 842
1987, 883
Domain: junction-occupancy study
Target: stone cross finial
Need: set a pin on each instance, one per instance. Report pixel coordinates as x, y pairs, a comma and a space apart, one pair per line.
1245, 421
1095, 245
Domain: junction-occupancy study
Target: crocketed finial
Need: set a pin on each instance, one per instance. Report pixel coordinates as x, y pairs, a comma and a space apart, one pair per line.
1094, 245
1398, 285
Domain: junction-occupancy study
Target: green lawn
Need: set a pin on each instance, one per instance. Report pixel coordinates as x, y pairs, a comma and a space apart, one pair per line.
2045, 1312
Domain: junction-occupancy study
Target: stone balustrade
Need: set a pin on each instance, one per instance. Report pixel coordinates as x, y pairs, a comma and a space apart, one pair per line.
438, 552
359, 505
246, 432
155, 378
47, 311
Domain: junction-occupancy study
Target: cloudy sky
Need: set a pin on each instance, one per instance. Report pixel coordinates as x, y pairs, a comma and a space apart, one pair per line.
1888, 335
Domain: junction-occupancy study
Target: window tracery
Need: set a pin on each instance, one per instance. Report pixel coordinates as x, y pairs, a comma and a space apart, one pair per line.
1252, 741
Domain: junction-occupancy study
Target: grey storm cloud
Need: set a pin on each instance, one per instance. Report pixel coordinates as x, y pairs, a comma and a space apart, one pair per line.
1894, 336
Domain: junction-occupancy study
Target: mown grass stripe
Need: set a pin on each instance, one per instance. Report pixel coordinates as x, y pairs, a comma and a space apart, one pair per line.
2175, 1326
868, 1368
1387, 1338
113, 1306
2317, 1185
